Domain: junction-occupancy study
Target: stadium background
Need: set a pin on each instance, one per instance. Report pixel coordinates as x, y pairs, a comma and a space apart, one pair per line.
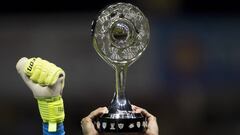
188, 77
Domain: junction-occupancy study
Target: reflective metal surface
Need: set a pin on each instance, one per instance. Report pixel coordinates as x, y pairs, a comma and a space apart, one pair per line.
120, 35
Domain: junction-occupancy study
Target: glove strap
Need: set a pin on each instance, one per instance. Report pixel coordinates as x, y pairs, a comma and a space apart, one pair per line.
51, 111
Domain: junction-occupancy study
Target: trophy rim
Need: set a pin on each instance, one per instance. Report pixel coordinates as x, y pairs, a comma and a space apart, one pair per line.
110, 61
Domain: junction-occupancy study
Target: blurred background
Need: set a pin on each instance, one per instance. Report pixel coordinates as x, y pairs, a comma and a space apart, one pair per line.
189, 76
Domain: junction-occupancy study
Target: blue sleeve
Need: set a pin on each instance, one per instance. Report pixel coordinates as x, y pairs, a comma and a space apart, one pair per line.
60, 130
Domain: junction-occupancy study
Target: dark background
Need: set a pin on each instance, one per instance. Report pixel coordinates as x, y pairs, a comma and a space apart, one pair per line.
188, 77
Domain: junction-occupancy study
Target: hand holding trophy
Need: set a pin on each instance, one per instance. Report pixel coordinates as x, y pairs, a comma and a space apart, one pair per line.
120, 35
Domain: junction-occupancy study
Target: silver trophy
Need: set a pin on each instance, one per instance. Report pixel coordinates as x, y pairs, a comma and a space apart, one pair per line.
120, 35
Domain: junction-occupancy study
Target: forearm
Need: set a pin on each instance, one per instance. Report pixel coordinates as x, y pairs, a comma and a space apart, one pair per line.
46, 81
52, 114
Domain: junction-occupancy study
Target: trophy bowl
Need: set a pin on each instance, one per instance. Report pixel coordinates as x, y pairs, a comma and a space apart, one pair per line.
120, 34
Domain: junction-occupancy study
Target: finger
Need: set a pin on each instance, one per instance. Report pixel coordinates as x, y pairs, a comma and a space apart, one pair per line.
137, 109
20, 68
86, 123
87, 126
58, 86
62, 76
144, 112
152, 121
54, 74
134, 107
29, 66
152, 127
42, 77
20, 65
59, 73
85, 120
35, 75
97, 112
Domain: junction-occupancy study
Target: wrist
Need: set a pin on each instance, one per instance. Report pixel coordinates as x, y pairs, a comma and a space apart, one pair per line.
59, 131
51, 111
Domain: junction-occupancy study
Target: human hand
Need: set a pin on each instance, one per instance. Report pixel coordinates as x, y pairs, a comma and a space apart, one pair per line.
87, 124
44, 78
152, 127
46, 81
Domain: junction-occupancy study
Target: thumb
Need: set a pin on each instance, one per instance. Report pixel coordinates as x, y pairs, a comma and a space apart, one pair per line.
59, 84
20, 69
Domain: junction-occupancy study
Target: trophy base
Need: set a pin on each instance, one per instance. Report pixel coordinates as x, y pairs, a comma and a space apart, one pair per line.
121, 122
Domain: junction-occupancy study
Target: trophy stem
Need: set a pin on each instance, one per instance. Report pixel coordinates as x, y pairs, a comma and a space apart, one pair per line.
121, 76
119, 102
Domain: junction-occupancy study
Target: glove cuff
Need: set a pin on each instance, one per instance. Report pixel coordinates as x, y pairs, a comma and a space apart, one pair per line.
51, 111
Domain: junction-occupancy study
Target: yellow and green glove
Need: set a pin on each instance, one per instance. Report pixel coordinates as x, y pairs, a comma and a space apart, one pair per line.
46, 81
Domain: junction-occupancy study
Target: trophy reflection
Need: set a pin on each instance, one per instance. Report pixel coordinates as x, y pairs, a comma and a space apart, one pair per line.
120, 35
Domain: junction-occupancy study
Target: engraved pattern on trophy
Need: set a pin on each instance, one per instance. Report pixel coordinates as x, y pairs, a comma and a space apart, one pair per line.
121, 33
